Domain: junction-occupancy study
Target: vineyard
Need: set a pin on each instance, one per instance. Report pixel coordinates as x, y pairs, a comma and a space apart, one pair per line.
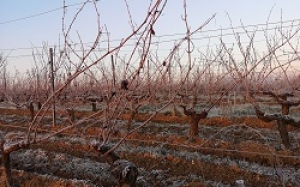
225, 150
149, 110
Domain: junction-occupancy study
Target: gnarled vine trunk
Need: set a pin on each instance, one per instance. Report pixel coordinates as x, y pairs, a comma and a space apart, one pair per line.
194, 119
7, 168
283, 120
281, 126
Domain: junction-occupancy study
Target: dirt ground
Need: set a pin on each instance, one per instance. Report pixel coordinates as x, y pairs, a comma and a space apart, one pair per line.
225, 151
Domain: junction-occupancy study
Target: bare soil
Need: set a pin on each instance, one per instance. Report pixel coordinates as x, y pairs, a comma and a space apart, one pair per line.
226, 150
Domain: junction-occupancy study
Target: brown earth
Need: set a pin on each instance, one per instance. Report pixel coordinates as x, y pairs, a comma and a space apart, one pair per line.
226, 150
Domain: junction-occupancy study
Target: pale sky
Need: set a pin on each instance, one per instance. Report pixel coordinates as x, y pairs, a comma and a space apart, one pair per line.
23, 27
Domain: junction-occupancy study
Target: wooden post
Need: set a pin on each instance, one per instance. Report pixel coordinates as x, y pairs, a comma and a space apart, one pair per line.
52, 85
31, 109
94, 106
39, 105
113, 70
4, 80
148, 76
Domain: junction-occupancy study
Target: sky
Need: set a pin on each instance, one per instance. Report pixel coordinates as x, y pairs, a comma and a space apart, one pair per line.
27, 26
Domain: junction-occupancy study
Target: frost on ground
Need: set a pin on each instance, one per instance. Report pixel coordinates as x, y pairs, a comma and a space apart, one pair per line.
161, 152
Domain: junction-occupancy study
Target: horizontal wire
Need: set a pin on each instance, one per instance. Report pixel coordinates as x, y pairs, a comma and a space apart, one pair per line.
183, 34
38, 14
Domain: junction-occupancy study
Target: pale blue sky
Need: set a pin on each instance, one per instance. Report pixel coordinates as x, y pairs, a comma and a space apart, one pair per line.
32, 32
